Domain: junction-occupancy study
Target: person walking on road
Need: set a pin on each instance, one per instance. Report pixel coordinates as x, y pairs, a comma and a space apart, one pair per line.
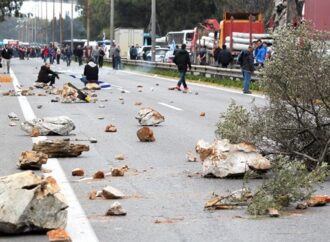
182, 60
101, 57
79, 53
96, 54
224, 57
68, 55
46, 75
7, 54
245, 60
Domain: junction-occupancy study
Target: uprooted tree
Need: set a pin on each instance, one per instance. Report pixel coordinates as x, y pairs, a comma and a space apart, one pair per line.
296, 120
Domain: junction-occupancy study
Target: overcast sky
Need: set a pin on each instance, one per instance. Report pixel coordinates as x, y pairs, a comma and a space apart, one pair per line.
39, 8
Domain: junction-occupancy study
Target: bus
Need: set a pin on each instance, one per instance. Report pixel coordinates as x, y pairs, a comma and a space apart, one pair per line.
180, 37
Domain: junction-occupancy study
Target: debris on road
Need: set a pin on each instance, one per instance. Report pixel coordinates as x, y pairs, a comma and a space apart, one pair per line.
231, 201
27, 92
35, 132
101, 106
5, 79
273, 212
60, 148
55, 100
13, 116
71, 94
110, 128
93, 140
58, 235
32, 160
120, 157
100, 118
172, 88
12, 124
139, 86
31, 204
60, 125
78, 172
10, 93
99, 175
149, 117
116, 210
191, 157
202, 114
39, 106
167, 220
138, 103
110, 192
145, 134
92, 86
119, 171
92, 195
318, 200
222, 159
121, 98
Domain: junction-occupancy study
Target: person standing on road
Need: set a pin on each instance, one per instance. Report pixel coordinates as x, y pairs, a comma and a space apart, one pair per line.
101, 57
96, 54
225, 57
46, 75
7, 54
245, 60
182, 60
79, 53
68, 55
58, 55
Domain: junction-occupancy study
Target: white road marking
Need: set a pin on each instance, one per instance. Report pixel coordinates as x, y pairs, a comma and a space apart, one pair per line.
197, 84
78, 225
170, 106
120, 88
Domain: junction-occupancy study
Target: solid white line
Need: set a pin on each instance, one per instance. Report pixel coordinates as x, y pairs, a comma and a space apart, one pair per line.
78, 225
120, 88
170, 106
197, 84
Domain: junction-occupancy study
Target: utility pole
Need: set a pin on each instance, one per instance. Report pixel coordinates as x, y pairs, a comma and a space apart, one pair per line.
47, 22
88, 21
71, 25
61, 24
153, 29
112, 10
54, 22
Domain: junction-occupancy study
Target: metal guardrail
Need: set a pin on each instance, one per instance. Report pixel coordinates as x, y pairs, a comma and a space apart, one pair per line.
207, 71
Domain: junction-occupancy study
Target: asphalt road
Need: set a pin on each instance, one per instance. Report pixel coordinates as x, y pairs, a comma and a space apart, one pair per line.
157, 186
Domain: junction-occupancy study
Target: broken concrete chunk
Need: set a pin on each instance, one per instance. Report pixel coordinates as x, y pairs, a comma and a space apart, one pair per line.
27, 92
93, 140
12, 124
318, 200
61, 125
302, 205
116, 210
119, 171
99, 175
191, 157
35, 132
60, 148
101, 106
78, 172
110, 192
145, 134
58, 235
222, 159
32, 160
110, 128
30, 204
202, 114
13, 116
171, 88
149, 117
138, 103
39, 106
273, 212
92, 195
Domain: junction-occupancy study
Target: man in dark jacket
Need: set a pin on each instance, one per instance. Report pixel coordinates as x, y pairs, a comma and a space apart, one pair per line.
225, 57
182, 60
6, 54
91, 73
245, 60
79, 53
46, 75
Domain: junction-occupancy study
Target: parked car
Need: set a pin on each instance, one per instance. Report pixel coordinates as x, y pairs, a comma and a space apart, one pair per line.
159, 56
144, 51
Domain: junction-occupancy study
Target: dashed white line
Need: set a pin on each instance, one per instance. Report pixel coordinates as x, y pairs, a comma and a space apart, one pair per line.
78, 225
170, 106
121, 89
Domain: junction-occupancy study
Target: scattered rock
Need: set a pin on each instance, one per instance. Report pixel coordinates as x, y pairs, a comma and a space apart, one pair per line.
122, 102
110, 192
139, 86
123, 91
39, 106
27, 92
191, 157
119, 171
35, 132
103, 100
121, 98
13, 116
110, 128
202, 114
32, 160
120, 157
92, 195
222, 159
171, 88
149, 117
60, 148
116, 210
30, 204
44, 170
93, 140
92, 86
99, 175
58, 235
157, 84
196, 93
302, 205
140, 90
41, 94
12, 124
100, 118
60, 125
318, 200
10, 93
145, 134
273, 212
55, 100
101, 106
78, 172
93, 95
137, 103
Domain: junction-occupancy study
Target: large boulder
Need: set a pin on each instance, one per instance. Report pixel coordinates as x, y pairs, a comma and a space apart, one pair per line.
149, 117
60, 125
30, 204
222, 159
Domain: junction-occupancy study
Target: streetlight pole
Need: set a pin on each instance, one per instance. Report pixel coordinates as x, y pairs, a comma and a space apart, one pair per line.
112, 8
46, 21
54, 22
88, 21
153, 29
71, 25
61, 24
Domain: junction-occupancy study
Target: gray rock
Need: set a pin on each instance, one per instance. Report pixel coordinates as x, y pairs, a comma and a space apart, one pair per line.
110, 192
61, 125
116, 210
149, 117
13, 116
30, 204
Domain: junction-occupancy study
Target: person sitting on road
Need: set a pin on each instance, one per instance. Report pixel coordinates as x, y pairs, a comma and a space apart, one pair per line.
46, 75
91, 73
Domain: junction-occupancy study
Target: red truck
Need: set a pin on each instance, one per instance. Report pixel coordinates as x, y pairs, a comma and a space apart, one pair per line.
317, 11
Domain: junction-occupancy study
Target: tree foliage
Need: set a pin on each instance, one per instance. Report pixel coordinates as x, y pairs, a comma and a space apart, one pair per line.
296, 81
9, 8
